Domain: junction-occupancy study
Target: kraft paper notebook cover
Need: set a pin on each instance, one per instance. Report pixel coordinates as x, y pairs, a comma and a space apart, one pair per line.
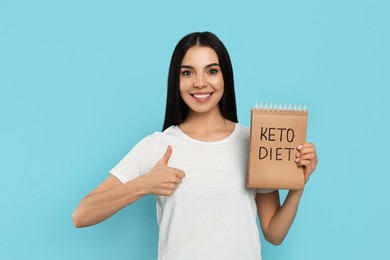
275, 133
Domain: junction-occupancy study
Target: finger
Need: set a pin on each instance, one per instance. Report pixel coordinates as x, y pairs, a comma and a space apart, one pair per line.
178, 180
308, 163
172, 186
305, 150
167, 192
308, 151
305, 145
169, 186
308, 156
179, 173
301, 162
164, 160
175, 179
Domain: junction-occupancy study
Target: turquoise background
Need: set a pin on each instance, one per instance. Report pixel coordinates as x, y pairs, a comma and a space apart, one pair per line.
82, 81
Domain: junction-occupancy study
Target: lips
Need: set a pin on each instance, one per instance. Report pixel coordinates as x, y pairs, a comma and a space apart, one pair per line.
201, 97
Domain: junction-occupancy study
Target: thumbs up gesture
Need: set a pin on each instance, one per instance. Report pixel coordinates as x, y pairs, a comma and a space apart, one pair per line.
162, 179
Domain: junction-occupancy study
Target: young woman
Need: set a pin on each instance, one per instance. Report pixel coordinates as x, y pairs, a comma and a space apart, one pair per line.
196, 167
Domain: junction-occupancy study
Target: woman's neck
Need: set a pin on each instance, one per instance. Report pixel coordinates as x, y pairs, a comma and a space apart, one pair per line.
210, 126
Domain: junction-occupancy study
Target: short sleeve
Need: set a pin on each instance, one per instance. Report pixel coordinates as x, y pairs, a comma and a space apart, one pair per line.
265, 190
138, 161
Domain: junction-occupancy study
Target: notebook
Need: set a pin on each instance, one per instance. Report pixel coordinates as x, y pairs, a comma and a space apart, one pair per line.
275, 133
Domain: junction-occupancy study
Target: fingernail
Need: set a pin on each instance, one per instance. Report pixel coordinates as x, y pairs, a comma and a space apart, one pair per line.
297, 160
297, 155
299, 147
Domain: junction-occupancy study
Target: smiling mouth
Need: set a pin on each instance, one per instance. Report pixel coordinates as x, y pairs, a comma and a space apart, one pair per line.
201, 97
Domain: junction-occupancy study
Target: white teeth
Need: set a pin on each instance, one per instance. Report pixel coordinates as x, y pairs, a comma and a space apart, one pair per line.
201, 95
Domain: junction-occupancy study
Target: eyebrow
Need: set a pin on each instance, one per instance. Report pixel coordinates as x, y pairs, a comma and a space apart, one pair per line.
208, 66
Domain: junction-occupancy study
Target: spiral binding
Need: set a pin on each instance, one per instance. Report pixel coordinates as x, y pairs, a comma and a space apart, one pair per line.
280, 107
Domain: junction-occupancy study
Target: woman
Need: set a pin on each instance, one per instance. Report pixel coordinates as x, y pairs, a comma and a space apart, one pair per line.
196, 167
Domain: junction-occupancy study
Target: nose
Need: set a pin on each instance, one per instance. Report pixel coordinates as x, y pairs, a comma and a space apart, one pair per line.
199, 82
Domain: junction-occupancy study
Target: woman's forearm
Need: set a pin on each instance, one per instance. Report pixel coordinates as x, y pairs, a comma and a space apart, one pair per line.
100, 205
283, 218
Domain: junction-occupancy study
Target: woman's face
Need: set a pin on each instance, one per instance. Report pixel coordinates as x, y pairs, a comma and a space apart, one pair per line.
201, 80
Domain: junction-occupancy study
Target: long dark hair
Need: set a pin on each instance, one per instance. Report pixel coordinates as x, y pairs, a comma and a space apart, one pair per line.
176, 109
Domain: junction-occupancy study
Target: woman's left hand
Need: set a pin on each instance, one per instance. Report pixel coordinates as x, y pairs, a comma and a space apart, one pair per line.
306, 158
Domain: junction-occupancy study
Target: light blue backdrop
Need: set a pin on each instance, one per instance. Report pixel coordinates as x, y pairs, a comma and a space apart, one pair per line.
82, 81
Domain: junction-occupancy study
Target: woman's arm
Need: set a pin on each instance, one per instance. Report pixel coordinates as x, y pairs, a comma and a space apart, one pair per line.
106, 200
112, 195
276, 220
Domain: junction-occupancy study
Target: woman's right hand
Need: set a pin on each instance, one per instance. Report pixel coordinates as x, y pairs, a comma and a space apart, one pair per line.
162, 179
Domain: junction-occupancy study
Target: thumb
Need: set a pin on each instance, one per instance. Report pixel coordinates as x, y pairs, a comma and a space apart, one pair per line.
164, 160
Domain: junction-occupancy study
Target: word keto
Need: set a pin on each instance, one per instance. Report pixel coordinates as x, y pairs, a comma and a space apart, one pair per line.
279, 135
269, 133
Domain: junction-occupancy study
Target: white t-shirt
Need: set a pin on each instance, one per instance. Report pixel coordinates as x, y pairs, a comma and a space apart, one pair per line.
211, 215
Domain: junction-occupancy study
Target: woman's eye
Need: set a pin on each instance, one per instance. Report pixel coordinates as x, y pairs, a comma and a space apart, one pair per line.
186, 73
213, 71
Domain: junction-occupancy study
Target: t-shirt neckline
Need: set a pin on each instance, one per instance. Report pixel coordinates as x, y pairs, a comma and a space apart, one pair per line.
230, 136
